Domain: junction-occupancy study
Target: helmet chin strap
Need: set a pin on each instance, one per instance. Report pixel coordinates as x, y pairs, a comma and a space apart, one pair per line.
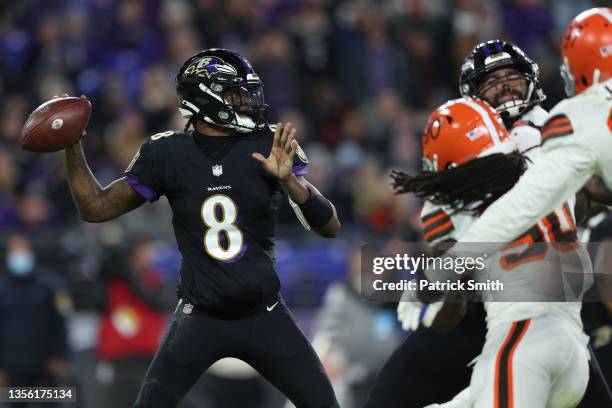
242, 124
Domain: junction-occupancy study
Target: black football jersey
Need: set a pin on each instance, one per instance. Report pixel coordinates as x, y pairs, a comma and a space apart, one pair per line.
224, 208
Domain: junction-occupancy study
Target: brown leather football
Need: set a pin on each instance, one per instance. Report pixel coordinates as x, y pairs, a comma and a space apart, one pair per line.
56, 124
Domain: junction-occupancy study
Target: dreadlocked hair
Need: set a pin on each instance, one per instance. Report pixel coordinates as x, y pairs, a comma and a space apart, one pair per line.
470, 187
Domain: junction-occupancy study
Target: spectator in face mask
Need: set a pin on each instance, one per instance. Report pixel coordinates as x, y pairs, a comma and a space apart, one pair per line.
33, 344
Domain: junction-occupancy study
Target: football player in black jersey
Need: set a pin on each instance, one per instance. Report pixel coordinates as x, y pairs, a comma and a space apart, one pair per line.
221, 180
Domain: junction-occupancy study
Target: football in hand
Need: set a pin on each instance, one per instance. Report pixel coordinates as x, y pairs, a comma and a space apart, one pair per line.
56, 124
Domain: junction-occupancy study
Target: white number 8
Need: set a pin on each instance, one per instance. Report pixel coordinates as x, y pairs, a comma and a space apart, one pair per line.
212, 236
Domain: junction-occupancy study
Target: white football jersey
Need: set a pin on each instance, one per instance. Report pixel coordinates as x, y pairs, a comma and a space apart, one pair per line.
576, 144
526, 131
441, 223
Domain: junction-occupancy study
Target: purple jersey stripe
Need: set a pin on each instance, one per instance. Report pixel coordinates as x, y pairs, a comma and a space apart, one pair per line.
300, 170
141, 189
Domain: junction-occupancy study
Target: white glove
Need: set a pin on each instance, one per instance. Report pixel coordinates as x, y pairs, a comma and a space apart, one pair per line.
411, 313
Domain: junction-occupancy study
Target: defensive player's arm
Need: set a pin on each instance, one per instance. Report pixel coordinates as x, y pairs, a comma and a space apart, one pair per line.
317, 210
594, 196
94, 202
558, 173
597, 191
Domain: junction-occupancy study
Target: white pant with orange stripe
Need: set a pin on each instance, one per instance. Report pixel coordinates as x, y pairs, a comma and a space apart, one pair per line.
528, 364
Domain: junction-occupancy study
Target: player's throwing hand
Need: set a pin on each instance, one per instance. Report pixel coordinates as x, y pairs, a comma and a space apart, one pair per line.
279, 162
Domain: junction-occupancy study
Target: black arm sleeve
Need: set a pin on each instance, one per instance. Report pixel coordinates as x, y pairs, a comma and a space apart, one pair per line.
316, 209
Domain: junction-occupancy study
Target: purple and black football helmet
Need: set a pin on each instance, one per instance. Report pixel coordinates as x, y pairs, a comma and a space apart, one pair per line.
492, 55
220, 87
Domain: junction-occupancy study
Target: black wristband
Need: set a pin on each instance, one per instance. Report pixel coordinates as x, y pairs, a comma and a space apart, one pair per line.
316, 209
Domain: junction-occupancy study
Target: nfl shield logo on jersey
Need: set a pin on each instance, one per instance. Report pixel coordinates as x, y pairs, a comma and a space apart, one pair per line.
217, 170
188, 308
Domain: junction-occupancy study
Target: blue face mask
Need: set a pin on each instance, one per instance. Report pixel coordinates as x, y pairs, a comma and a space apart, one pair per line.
20, 263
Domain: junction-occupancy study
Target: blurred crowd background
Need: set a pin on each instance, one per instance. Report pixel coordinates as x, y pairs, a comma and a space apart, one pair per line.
357, 78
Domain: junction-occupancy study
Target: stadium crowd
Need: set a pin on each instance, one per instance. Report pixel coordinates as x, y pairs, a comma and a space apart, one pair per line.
356, 77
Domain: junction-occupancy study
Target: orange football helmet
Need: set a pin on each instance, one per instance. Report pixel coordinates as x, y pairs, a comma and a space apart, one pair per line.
587, 50
461, 130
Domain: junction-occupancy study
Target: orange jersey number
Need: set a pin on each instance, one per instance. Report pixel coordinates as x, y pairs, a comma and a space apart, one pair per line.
557, 228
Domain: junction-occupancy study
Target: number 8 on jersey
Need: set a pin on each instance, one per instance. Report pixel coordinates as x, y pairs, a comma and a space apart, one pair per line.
223, 226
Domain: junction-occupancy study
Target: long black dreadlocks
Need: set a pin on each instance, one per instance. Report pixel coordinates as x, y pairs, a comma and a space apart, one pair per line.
470, 187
